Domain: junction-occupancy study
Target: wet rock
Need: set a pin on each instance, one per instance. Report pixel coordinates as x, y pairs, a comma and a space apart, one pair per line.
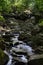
21, 58
17, 43
20, 63
7, 44
30, 43
26, 48
13, 53
36, 60
7, 36
22, 49
33, 20
14, 49
3, 58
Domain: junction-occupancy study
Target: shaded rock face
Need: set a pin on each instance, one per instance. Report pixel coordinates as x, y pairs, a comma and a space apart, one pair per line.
38, 39
19, 63
24, 37
3, 58
39, 50
7, 36
19, 24
36, 62
34, 35
2, 46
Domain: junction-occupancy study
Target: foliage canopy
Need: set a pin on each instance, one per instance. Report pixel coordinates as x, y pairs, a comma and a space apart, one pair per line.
6, 5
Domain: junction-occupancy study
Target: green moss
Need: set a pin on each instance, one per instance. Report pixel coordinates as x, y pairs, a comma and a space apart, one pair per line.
1, 18
3, 57
1, 39
41, 22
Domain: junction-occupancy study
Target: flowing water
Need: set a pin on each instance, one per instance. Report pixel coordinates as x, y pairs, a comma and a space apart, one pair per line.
24, 47
10, 58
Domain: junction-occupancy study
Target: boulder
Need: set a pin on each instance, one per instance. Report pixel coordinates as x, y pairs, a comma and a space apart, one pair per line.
19, 63
24, 37
17, 50
21, 58
36, 60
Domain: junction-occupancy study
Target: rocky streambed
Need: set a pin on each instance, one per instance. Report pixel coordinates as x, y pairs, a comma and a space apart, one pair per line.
22, 41
20, 52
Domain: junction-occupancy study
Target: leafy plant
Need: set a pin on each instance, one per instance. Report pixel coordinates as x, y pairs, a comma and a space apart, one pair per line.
41, 22
39, 3
1, 18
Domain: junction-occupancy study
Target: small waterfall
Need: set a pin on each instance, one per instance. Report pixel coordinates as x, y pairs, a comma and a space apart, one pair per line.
15, 39
10, 58
27, 48
23, 58
23, 46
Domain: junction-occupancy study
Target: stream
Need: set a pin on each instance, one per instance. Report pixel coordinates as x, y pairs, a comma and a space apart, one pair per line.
10, 58
20, 57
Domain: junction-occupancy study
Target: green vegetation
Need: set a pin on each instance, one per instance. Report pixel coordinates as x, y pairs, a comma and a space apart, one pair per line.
1, 54
8, 5
2, 57
41, 22
5, 6
23, 17
39, 4
2, 19
11, 6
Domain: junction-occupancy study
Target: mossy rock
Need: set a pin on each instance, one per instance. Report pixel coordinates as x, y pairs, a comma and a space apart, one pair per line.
37, 39
25, 37
41, 24
3, 58
2, 19
2, 46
